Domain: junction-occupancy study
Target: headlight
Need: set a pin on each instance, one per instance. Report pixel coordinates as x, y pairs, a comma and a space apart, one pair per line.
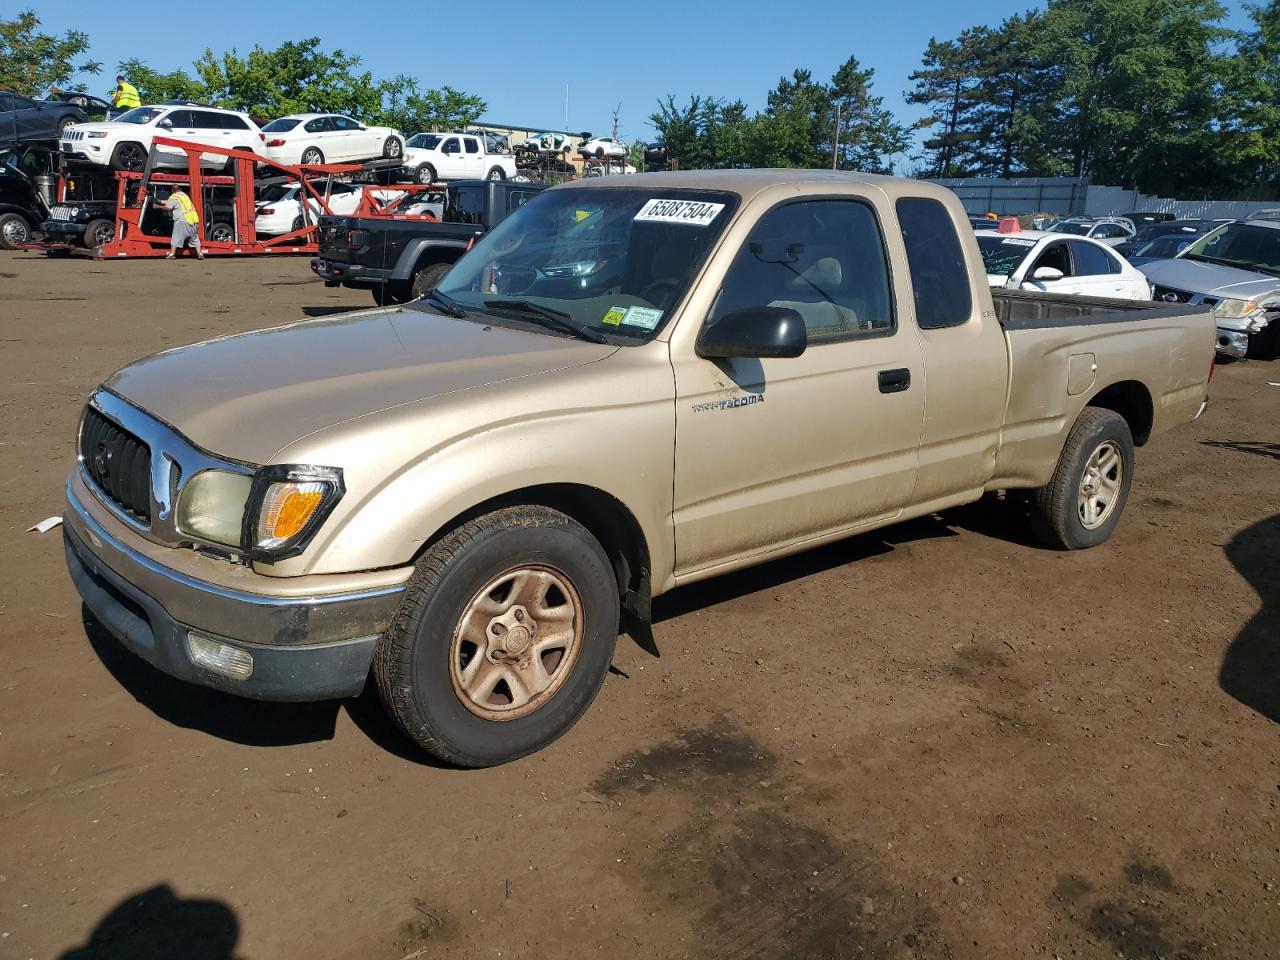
1231, 309
95, 134
211, 506
287, 506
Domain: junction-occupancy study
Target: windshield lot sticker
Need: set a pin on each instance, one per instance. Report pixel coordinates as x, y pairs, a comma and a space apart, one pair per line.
693, 212
742, 400
1020, 243
646, 318
615, 316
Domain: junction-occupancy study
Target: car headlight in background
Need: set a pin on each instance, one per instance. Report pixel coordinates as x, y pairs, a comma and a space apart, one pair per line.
211, 506
1232, 309
95, 134
287, 506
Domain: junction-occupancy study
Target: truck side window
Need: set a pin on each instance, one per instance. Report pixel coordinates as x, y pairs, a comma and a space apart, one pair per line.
939, 271
451, 146
473, 145
825, 259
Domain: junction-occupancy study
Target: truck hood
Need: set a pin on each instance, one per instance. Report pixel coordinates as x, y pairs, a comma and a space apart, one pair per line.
248, 396
112, 126
1211, 279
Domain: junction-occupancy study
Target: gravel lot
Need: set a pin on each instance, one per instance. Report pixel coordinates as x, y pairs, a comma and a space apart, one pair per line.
938, 740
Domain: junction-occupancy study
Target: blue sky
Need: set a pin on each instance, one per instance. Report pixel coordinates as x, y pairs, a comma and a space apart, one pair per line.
520, 56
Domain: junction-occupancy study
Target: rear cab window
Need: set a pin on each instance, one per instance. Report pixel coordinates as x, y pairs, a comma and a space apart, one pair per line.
939, 271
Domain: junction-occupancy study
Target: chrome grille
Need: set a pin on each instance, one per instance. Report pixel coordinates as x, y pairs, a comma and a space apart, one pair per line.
61, 213
1170, 295
73, 134
118, 463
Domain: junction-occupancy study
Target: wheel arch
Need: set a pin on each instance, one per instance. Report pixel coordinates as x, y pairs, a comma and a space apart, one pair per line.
603, 515
1132, 401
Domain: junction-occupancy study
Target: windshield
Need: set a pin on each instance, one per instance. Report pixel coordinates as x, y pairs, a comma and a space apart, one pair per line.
283, 125
1240, 245
1001, 255
1079, 229
611, 261
427, 141
1166, 247
140, 115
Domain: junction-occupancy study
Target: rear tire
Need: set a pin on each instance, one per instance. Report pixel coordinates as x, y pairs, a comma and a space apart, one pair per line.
312, 156
14, 231
221, 233
392, 149
63, 124
98, 233
1081, 505
428, 278
524, 593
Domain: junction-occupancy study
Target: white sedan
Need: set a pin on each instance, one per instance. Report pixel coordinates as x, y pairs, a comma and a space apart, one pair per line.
279, 209
328, 138
1054, 263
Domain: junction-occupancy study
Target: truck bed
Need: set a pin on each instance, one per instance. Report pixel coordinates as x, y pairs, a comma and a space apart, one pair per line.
1027, 309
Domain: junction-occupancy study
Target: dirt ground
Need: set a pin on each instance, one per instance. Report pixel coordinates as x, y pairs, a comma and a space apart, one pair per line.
939, 740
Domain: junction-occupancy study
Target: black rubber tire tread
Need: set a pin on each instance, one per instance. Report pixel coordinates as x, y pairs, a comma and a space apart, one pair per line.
393, 660
116, 163
1054, 516
429, 277
91, 228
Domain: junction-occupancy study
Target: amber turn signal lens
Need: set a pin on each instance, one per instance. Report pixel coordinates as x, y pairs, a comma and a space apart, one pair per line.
294, 513
286, 510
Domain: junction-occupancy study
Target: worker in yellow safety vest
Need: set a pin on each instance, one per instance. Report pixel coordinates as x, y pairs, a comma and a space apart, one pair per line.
186, 223
124, 97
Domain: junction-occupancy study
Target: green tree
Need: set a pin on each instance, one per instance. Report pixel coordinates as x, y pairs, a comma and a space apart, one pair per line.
681, 128
156, 87
943, 85
868, 134
32, 62
795, 128
409, 109
1249, 137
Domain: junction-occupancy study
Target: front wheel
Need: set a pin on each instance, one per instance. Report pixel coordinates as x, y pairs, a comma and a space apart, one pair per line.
424, 173
221, 233
98, 233
503, 639
130, 157
14, 231
1082, 503
496, 173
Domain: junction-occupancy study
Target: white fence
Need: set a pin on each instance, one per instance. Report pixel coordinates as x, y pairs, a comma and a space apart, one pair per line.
1073, 196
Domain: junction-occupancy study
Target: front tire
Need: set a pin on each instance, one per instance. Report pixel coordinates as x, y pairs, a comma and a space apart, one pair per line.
1081, 505
496, 173
128, 156
424, 173
98, 233
504, 637
14, 231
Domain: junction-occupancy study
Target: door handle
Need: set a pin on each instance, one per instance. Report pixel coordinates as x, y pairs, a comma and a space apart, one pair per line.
894, 381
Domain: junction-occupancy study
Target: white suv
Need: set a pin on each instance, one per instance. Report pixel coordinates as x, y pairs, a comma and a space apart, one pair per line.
123, 143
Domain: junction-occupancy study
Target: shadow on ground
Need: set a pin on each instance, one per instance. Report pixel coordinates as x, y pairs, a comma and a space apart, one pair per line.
1251, 667
156, 924
1260, 448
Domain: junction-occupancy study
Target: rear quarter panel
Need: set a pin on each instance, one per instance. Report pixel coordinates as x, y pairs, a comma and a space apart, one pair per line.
1169, 355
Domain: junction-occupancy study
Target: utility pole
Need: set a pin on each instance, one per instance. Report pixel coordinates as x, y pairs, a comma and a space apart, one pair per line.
835, 148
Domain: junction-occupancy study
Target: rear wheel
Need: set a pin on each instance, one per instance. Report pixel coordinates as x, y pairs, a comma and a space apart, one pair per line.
63, 124
221, 233
428, 278
312, 156
98, 233
424, 173
392, 148
503, 639
128, 156
1082, 503
14, 231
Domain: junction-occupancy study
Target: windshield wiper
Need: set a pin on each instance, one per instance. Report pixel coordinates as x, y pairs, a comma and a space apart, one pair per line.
548, 317
445, 304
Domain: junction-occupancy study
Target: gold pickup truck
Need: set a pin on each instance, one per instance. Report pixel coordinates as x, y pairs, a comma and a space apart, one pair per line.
631, 384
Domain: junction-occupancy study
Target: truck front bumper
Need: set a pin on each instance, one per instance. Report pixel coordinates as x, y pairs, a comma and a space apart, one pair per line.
256, 645
1232, 343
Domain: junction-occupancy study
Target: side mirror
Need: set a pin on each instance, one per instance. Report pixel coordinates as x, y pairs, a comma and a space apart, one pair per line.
1047, 273
756, 332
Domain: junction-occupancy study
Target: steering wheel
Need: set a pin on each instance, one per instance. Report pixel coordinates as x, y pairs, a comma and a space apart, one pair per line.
658, 286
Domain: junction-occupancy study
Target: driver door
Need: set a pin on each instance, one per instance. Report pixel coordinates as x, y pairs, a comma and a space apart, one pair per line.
772, 452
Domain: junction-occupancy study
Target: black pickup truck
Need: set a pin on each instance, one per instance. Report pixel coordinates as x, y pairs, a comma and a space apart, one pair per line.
400, 259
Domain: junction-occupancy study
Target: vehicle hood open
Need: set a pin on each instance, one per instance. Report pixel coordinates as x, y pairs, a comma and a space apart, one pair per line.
250, 395
1211, 279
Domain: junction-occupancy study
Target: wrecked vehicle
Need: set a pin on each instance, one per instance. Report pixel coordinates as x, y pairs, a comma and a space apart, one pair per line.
628, 385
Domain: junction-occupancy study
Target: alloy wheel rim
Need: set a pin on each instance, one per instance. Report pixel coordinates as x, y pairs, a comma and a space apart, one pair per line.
516, 643
15, 232
1100, 485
